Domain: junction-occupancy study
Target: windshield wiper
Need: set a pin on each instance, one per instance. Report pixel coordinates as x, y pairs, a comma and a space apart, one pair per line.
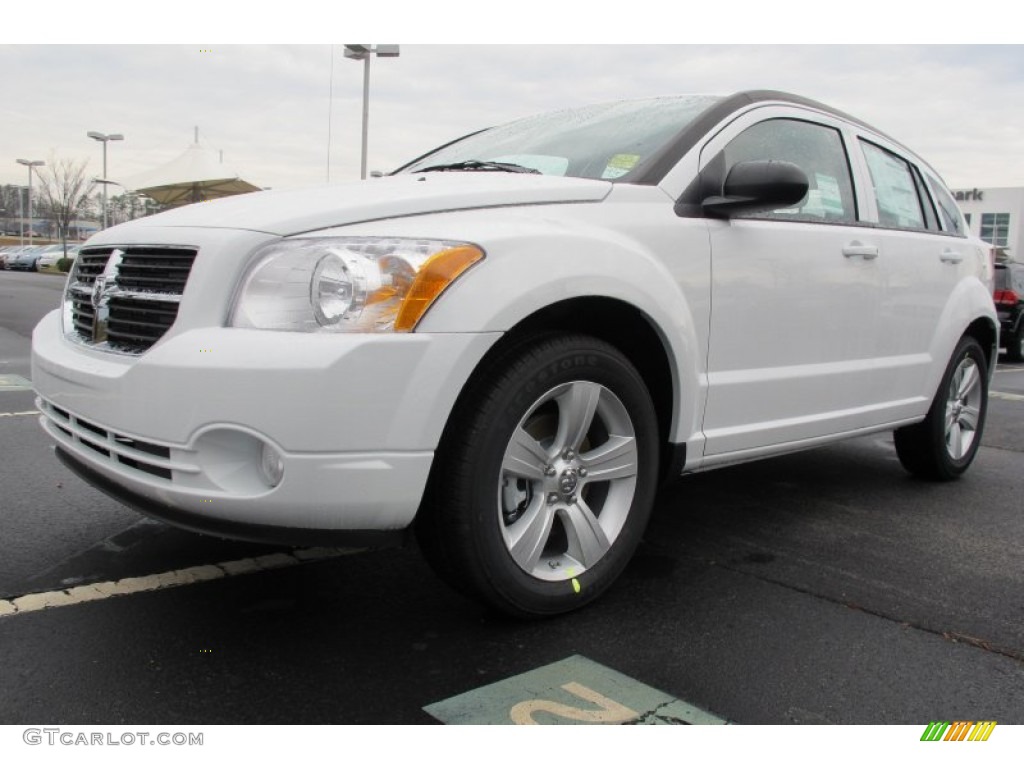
479, 165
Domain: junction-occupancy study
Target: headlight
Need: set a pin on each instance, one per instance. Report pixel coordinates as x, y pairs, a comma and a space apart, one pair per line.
360, 284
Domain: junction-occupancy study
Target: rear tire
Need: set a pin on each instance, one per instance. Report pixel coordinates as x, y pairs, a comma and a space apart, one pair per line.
545, 479
943, 446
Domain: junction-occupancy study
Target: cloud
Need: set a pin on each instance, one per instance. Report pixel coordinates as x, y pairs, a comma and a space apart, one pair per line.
267, 106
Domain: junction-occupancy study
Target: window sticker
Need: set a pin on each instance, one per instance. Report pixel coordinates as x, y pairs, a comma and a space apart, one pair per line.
894, 189
620, 165
829, 197
811, 206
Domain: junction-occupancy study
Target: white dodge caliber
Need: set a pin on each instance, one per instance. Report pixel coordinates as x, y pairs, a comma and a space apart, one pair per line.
508, 343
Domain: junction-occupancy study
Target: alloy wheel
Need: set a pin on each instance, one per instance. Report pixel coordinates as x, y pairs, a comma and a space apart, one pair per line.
963, 408
568, 478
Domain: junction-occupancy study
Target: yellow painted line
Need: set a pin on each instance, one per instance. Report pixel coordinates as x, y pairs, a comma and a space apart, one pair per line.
20, 413
86, 593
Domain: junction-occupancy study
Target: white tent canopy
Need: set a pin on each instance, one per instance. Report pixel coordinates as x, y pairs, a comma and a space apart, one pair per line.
196, 175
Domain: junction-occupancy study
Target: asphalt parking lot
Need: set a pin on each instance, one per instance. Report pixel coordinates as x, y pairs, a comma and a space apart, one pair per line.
823, 587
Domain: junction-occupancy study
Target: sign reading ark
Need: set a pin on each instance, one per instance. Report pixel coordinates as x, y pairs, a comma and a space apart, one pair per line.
969, 194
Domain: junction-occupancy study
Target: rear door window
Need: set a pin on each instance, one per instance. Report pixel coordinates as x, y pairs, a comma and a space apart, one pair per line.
896, 193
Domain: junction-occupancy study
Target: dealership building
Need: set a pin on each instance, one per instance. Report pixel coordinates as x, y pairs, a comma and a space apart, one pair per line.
994, 214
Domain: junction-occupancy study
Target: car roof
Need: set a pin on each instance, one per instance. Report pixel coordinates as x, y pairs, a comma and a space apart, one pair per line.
659, 165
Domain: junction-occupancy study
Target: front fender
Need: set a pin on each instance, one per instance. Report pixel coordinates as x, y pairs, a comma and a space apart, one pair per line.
524, 274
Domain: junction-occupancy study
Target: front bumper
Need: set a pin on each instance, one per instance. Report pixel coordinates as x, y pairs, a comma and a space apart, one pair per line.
178, 432
230, 529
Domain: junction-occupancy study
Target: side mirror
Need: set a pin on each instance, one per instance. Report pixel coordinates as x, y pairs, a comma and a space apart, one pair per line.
754, 186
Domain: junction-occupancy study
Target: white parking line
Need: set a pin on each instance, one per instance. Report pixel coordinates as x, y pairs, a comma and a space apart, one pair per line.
85, 593
1005, 395
20, 413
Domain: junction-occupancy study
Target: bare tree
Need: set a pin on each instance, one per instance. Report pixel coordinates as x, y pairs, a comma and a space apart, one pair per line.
118, 209
65, 191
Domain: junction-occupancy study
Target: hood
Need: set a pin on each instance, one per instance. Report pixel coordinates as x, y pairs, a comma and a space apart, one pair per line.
292, 212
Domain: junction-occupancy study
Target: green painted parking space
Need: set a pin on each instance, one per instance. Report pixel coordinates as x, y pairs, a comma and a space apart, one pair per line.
11, 383
574, 691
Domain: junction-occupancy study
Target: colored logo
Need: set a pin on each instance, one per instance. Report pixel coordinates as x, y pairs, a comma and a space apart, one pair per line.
961, 730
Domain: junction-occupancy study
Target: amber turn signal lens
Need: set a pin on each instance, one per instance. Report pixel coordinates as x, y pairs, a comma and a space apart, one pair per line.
436, 274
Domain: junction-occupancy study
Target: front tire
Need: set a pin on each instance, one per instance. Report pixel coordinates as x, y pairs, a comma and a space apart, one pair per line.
545, 479
943, 446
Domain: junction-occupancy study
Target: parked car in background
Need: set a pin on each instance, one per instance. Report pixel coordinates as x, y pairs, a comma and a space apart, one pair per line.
10, 252
507, 344
5, 252
50, 255
25, 259
1009, 299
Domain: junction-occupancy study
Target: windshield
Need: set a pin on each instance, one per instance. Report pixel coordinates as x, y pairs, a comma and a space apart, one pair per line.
605, 141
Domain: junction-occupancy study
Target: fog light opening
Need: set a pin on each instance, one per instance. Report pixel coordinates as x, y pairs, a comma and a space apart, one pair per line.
271, 465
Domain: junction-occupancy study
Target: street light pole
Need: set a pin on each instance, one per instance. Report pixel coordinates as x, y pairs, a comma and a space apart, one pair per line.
366, 112
365, 53
21, 215
105, 137
31, 164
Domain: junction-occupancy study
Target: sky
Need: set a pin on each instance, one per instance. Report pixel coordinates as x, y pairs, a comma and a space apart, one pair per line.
280, 111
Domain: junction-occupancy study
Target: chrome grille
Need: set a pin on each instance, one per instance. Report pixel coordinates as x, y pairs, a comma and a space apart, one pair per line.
157, 270
88, 266
139, 298
139, 322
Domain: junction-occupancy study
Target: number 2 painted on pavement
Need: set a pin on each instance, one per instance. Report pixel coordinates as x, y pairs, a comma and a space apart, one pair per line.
610, 711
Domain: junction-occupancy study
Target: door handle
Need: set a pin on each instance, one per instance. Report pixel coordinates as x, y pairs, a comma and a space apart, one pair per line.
951, 257
866, 252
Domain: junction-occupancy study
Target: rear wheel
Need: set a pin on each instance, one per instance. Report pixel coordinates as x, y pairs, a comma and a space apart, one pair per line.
546, 479
943, 446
